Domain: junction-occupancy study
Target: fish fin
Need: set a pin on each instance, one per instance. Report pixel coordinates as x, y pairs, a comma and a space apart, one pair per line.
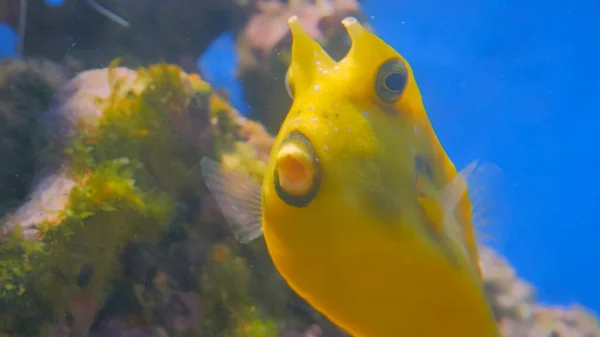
476, 179
453, 191
238, 197
482, 182
433, 213
430, 207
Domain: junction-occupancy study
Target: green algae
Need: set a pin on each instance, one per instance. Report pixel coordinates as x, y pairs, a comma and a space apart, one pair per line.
230, 309
104, 212
117, 200
132, 166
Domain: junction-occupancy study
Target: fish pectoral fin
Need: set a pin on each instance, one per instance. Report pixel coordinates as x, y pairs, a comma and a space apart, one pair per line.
468, 180
476, 179
432, 211
238, 197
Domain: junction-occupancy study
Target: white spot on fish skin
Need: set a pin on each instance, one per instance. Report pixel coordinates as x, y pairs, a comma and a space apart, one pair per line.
325, 147
326, 133
315, 53
316, 87
325, 71
336, 67
310, 108
330, 124
335, 105
366, 114
319, 69
314, 119
335, 130
298, 118
348, 128
318, 62
415, 129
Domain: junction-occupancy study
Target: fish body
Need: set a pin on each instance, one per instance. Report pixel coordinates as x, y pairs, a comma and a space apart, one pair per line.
362, 211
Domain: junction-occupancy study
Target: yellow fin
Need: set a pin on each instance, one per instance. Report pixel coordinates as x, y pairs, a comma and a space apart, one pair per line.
435, 214
439, 207
481, 181
431, 208
461, 213
238, 197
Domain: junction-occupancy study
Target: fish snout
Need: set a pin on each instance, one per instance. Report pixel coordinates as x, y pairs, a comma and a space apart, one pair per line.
297, 171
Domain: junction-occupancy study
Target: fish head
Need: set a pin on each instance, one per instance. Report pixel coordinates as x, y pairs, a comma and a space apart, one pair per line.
350, 137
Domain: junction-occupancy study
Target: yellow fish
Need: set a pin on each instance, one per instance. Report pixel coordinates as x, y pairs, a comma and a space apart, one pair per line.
362, 211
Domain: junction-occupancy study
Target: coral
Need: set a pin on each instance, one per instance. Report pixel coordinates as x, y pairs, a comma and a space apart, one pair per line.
517, 312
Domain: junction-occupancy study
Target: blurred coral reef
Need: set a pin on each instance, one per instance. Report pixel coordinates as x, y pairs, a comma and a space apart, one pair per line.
108, 229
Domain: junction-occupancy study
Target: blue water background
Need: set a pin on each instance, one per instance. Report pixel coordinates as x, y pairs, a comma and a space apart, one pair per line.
514, 83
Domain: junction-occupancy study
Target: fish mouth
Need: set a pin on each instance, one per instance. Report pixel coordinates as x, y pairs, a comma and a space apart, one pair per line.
297, 176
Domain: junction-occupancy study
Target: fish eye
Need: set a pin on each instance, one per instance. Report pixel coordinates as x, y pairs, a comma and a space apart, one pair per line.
297, 173
289, 87
391, 81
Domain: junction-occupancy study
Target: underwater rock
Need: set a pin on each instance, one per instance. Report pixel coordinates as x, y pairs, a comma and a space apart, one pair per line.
264, 49
79, 30
26, 89
509, 296
117, 328
131, 142
181, 313
518, 314
9, 11
43, 205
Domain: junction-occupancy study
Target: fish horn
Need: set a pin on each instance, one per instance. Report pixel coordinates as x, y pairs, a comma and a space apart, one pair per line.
307, 56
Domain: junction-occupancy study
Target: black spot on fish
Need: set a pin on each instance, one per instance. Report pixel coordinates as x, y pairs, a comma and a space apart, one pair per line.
85, 275
423, 166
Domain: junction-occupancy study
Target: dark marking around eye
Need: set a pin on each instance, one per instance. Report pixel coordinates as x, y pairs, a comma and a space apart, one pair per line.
391, 80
